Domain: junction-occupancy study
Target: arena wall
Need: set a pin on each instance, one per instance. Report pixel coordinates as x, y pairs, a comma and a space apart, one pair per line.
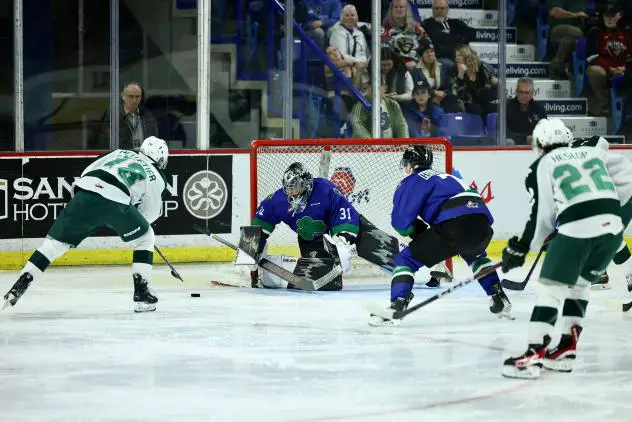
34, 187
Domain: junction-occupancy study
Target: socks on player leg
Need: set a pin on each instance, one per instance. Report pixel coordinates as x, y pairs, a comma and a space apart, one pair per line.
142, 263
48, 251
401, 283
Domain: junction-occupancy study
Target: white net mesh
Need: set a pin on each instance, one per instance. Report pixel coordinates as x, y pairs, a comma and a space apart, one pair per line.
366, 173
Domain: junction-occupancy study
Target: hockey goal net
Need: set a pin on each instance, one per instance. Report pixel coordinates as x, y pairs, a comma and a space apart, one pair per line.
367, 172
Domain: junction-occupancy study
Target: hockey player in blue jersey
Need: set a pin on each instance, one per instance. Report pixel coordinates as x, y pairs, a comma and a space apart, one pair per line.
444, 217
311, 207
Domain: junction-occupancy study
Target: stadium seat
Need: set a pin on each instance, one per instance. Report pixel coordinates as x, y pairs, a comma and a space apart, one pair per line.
542, 32
616, 103
579, 66
463, 129
490, 125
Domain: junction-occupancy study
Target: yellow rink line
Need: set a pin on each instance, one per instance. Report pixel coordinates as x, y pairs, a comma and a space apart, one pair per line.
15, 260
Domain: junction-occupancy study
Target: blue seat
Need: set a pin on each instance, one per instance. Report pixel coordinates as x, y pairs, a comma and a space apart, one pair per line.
579, 66
463, 128
616, 103
490, 124
542, 32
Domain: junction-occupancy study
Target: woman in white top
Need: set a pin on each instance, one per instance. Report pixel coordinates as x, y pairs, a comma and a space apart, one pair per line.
351, 42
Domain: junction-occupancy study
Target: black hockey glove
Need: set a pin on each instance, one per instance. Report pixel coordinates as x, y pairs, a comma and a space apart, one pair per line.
514, 254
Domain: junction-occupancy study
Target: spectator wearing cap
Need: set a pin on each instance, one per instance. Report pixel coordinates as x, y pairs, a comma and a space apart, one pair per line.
399, 82
350, 41
611, 47
436, 76
473, 83
422, 114
567, 19
523, 113
317, 17
447, 34
392, 122
402, 32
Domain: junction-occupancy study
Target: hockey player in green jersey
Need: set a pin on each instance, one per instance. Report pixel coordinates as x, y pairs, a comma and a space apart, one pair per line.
573, 187
121, 190
620, 169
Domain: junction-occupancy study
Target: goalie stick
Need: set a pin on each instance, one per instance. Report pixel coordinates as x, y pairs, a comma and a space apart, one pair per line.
388, 313
173, 270
300, 282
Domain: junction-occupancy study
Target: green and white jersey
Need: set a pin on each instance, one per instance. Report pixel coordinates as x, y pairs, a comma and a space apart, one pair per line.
619, 167
571, 186
127, 177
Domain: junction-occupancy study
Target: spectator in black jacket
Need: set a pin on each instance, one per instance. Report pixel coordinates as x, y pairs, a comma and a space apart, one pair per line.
523, 113
446, 34
135, 123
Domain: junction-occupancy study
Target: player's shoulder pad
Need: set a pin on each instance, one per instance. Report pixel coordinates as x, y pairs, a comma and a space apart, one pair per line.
593, 141
321, 183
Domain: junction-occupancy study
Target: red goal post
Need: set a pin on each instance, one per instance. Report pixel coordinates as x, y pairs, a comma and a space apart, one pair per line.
367, 172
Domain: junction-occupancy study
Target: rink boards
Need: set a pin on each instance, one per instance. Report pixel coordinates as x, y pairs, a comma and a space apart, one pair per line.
34, 189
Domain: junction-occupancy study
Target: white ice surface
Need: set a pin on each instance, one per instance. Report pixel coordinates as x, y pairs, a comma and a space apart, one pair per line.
72, 350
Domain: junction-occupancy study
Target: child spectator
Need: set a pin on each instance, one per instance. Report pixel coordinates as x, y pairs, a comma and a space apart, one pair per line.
422, 115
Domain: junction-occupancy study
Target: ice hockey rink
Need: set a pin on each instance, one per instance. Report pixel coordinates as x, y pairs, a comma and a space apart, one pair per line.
73, 350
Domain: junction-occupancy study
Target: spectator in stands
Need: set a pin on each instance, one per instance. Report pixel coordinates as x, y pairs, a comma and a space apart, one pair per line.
351, 69
317, 17
611, 47
403, 33
474, 83
432, 72
447, 34
567, 26
392, 122
399, 82
422, 115
135, 123
523, 113
348, 39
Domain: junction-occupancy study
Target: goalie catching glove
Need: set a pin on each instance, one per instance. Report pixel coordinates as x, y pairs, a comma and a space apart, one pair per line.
514, 254
341, 247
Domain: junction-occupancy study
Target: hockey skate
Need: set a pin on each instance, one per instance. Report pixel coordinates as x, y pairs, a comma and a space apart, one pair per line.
527, 365
627, 306
603, 283
400, 304
500, 304
18, 289
562, 357
144, 300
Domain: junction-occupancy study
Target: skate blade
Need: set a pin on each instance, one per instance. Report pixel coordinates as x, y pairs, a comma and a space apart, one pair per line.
144, 307
563, 365
528, 373
377, 321
506, 315
600, 286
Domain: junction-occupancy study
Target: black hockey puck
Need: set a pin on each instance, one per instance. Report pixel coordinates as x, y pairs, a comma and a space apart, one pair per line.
195, 295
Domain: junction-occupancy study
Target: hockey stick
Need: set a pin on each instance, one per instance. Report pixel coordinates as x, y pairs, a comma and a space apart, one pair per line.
300, 282
173, 270
388, 313
520, 285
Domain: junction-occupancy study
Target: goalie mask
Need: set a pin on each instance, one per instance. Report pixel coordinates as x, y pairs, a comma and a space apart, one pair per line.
156, 150
297, 185
417, 157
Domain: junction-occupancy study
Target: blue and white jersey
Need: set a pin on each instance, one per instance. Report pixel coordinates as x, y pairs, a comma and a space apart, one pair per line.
327, 211
435, 197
